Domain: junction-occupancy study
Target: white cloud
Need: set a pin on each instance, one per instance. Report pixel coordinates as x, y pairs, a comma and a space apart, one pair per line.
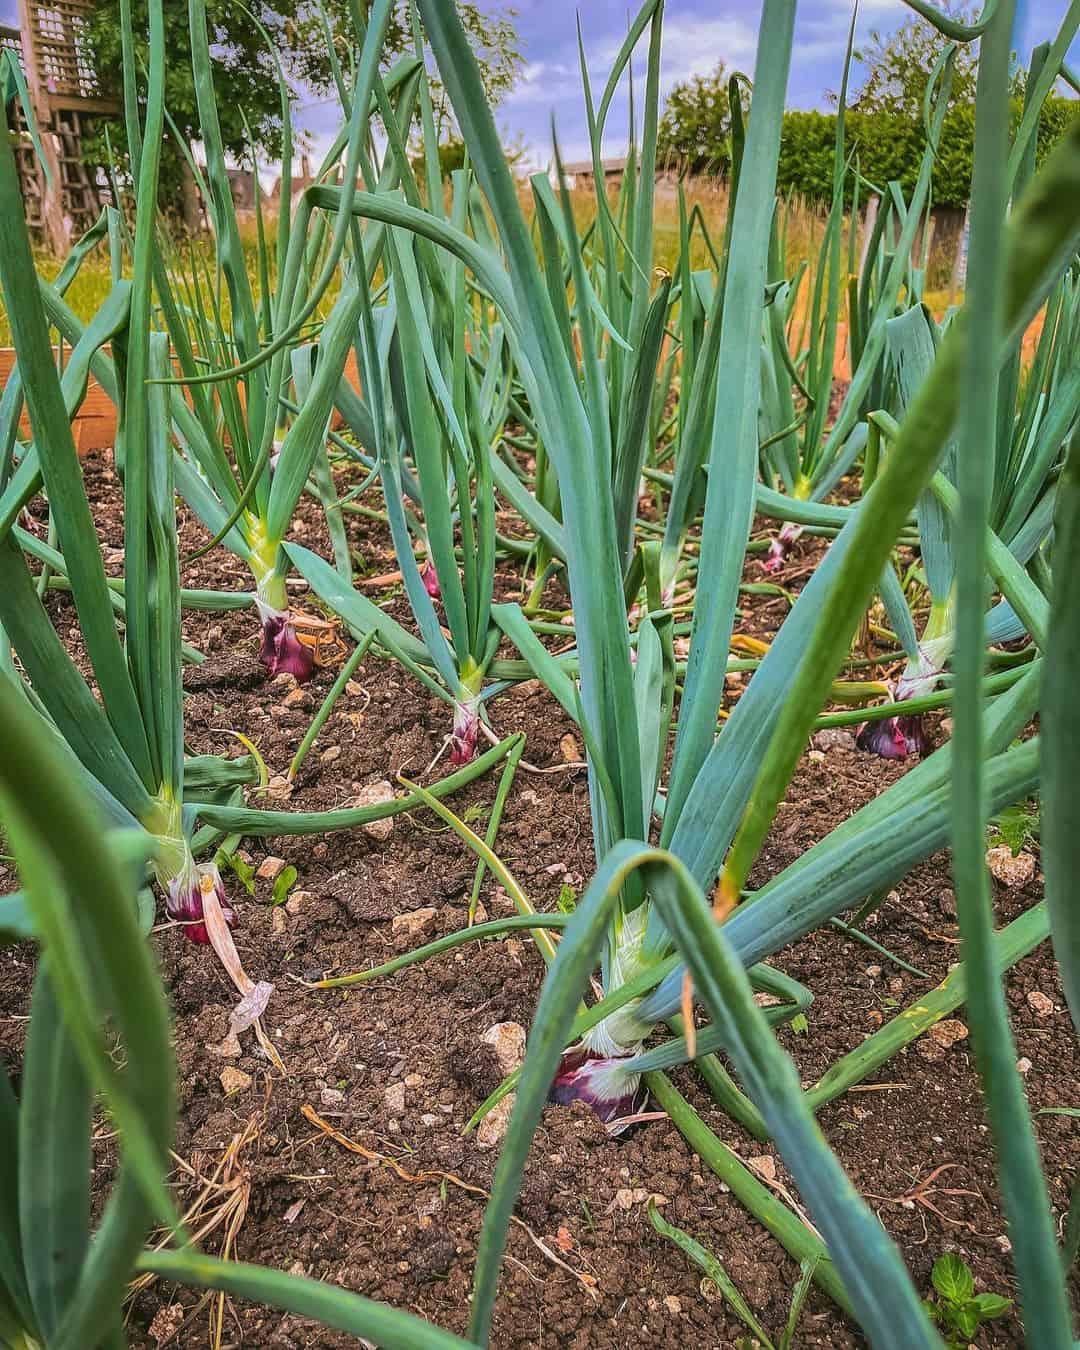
544, 82
696, 46
874, 9
690, 47
693, 44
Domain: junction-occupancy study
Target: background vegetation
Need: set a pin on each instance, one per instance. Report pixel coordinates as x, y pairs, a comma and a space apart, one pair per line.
885, 129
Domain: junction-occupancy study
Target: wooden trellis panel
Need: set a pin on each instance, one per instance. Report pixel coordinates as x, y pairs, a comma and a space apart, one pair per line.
65, 96
57, 35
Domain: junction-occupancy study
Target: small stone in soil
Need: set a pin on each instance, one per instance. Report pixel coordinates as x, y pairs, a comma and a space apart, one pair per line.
166, 1323
234, 1080
375, 794
948, 1032
834, 738
765, 1166
394, 1097
298, 901
270, 867
1010, 871
492, 1128
229, 1048
411, 925
1040, 1004
507, 1039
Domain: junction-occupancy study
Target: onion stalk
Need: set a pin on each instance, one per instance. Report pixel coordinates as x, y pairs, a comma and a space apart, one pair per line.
435, 396
279, 445
595, 1069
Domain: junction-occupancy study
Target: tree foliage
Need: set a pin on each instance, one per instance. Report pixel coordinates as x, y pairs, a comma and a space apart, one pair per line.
898, 67
889, 147
885, 129
491, 31
245, 73
696, 124
242, 64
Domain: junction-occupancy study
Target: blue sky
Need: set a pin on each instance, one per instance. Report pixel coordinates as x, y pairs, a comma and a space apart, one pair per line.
697, 34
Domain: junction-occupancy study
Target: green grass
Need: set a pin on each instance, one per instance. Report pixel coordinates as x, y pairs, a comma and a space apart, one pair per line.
805, 225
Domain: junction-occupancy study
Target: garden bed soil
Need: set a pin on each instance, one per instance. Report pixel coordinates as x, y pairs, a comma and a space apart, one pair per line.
398, 1066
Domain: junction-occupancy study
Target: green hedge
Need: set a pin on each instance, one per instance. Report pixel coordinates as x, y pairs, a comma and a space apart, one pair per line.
891, 147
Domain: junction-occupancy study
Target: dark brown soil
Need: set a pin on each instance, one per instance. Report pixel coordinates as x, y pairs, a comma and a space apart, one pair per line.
314, 1206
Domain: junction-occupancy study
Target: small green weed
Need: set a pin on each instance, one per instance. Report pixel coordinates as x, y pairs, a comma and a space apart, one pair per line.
958, 1310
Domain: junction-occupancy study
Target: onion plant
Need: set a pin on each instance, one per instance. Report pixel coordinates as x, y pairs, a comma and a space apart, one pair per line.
126, 744
1030, 435
705, 770
246, 449
883, 277
995, 313
710, 778
804, 455
436, 380
127, 748
646, 906
124, 747
679, 809
1035, 415
1043, 227
63, 1278
429, 417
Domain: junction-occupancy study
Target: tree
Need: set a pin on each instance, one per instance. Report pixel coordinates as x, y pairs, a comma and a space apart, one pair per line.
452, 155
491, 32
696, 124
899, 64
884, 123
242, 65
245, 75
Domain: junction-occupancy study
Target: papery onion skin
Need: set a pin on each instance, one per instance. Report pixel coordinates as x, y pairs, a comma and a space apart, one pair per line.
184, 904
601, 1083
780, 547
465, 733
430, 578
281, 650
